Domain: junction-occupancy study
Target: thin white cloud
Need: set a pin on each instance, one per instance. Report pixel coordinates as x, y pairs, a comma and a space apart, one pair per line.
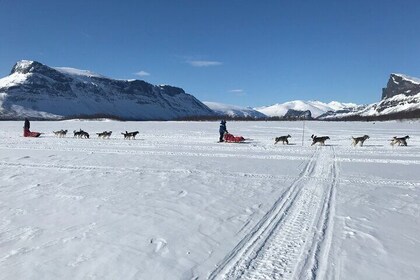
236, 90
203, 63
239, 92
142, 73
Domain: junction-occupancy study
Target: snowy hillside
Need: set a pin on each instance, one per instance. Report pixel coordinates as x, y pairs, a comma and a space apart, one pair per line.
317, 108
36, 90
234, 111
175, 204
395, 104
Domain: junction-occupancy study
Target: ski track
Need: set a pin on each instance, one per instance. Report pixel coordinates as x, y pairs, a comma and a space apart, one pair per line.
299, 224
273, 156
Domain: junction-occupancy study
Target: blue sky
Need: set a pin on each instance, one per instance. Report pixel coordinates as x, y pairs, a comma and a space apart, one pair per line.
249, 53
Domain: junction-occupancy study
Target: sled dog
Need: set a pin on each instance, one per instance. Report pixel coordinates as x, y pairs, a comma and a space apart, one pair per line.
130, 135
401, 141
321, 139
283, 139
84, 134
361, 140
60, 133
80, 134
105, 134
77, 133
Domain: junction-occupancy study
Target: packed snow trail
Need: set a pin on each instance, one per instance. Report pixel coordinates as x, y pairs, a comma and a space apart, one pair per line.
292, 240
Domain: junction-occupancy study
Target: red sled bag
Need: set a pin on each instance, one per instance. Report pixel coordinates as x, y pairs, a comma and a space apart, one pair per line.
28, 133
232, 139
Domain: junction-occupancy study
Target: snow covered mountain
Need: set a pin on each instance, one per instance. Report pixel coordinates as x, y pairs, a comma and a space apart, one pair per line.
36, 90
401, 84
400, 99
316, 108
234, 111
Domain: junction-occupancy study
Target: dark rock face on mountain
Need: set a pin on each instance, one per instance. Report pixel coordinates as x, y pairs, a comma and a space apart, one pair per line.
401, 84
298, 115
34, 89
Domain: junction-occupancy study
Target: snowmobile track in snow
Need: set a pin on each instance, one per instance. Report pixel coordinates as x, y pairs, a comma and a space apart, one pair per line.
292, 240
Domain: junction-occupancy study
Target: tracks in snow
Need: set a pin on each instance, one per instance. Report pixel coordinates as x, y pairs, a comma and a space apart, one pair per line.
208, 153
256, 176
292, 240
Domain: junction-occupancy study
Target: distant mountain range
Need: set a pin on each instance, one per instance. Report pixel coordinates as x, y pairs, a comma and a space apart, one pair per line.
38, 91
400, 99
317, 108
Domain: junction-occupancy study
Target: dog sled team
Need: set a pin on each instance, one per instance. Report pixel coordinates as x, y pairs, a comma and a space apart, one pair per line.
104, 135
224, 136
76, 134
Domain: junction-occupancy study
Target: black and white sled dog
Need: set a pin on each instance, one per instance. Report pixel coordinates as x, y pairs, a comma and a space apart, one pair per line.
80, 134
361, 140
105, 134
60, 133
401, 141
321, 139
283, 139
130, 135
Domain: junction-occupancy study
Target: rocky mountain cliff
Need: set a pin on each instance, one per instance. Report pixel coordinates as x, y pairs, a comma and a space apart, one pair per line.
36, 90
298, 115
401, 84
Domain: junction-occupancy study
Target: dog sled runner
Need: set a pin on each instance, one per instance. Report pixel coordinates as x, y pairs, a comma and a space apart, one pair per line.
229, 138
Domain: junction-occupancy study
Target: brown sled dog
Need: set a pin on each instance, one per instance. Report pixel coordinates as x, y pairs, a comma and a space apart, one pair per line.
361, 140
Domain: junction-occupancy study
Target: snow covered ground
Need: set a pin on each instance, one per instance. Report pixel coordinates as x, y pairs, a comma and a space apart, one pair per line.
174, 204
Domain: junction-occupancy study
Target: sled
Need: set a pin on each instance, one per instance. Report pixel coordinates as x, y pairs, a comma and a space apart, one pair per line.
229, 138
28, 133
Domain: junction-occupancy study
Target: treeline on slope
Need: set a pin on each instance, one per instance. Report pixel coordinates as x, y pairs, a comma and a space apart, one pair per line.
231, 118
413, 114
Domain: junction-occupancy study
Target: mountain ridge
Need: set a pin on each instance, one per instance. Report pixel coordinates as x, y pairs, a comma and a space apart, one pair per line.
35, 90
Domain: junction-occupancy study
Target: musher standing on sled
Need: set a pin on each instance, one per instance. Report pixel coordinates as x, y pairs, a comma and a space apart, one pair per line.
222, 130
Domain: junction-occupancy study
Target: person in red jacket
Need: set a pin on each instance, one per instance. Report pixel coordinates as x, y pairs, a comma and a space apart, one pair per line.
27, 132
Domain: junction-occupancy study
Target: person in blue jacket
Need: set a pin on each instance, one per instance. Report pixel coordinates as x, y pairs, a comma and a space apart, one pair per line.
222, 130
